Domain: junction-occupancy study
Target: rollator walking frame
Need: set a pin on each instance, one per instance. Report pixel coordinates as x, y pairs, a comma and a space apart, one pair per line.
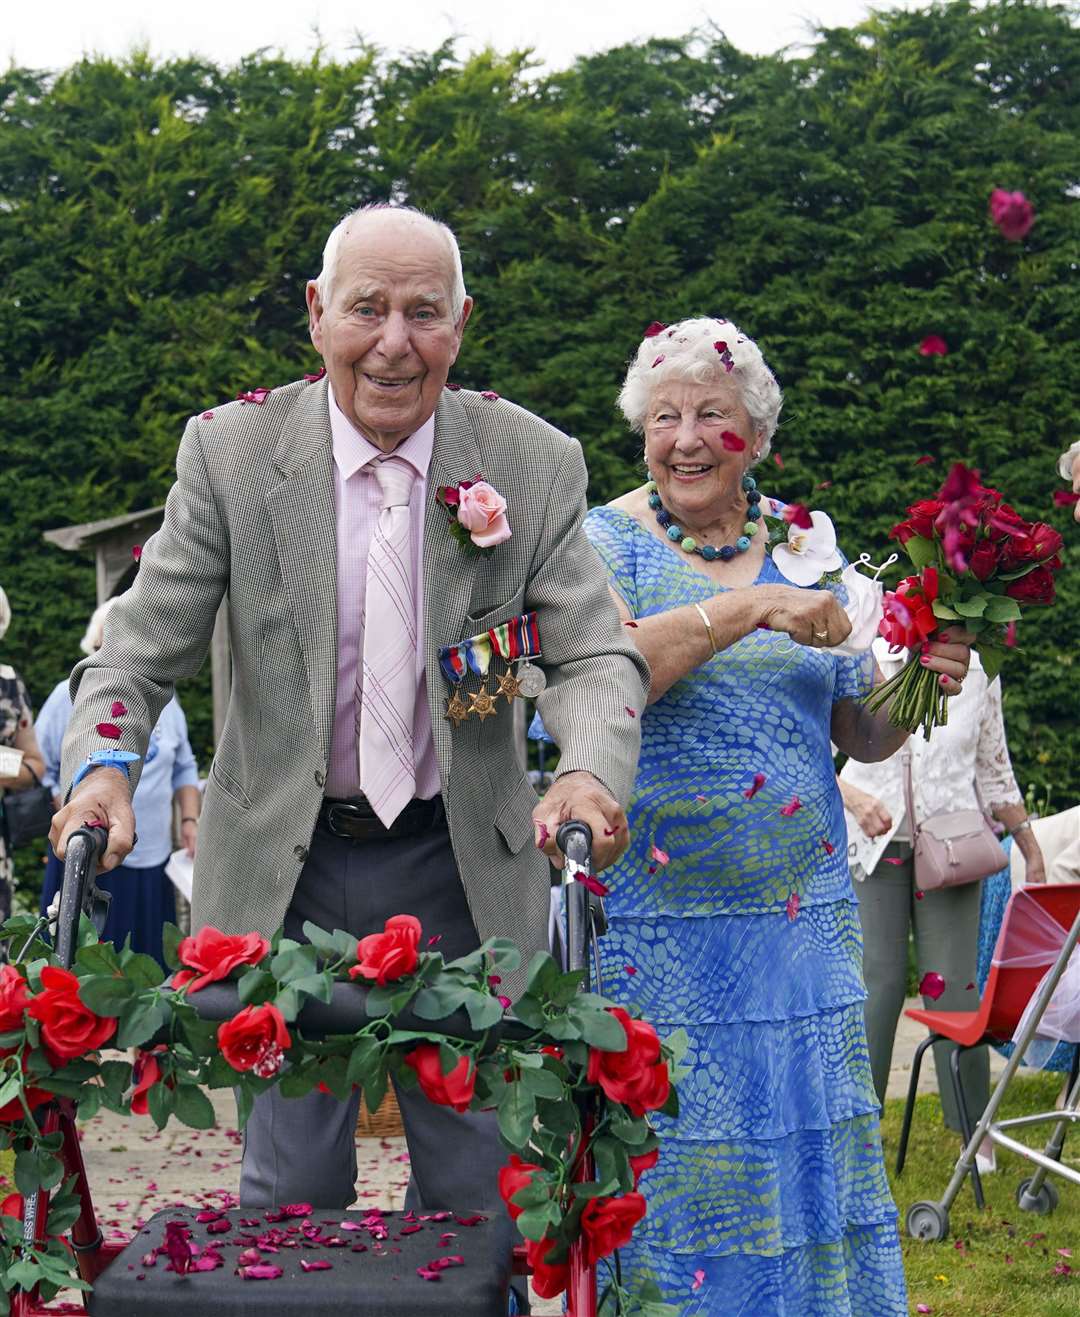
930, 1220
117, 1296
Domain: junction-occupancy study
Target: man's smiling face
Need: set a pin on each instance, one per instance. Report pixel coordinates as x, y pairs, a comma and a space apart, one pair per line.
387, 331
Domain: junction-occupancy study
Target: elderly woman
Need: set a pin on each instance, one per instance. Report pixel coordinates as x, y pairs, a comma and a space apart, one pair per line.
17, 734
732, 912
142, 896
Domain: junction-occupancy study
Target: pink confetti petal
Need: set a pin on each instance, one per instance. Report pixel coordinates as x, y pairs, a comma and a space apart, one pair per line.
829, 847
933, 345
542, 839
316, 1265
891, 859
655, 328
924, 461
778, 460
630, 969
207, 416
1065, 498
919, 896
923, 1308
109, 730
792, 807
658, 360
136, 551
796, 514
932, 985
631, 712
792, 907
732, 442
593, 884
489, 394
435, 940
316, 375
759, 781
261, 1271
119, 708
699, 1279
661, 857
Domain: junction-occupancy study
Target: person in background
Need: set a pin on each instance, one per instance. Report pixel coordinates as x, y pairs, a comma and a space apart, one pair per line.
16, 733
964, 765
142, 896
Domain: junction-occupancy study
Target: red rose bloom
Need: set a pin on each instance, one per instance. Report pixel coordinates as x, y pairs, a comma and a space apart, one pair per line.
908, 616
255, 1040
608, 1223
1012, 213
1037, 587
637, 1077
984, 560
388, 955
13, 998
921, 518
212, 955
145, 1073
1046, 541
645, 1162
68, 1028
513, 1177
452, 1090
548, 1279
12, 1206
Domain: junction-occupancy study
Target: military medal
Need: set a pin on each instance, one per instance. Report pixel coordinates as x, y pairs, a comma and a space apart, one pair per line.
456, 709
482, 704
509, 686
512, 642
516, 640
531, 680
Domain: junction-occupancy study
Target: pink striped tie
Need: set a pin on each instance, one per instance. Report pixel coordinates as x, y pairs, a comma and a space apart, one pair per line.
387, 700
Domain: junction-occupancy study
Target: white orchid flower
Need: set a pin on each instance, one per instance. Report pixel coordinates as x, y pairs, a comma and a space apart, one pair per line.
808, 554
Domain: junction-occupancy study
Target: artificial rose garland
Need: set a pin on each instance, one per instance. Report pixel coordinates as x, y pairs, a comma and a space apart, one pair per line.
553, 1115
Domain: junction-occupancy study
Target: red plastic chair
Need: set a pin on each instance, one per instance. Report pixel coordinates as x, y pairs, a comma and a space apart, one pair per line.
1007, 993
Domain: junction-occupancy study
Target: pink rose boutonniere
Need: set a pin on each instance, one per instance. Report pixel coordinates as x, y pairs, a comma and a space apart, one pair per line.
477, 514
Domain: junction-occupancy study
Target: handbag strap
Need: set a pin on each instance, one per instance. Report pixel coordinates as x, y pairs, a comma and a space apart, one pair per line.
909, 791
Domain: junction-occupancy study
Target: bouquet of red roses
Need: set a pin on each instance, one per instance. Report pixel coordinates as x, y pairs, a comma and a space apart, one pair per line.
978, 564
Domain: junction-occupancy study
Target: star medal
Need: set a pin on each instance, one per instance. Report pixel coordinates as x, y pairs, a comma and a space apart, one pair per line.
531, 680
509, 686
482, 704
456, 709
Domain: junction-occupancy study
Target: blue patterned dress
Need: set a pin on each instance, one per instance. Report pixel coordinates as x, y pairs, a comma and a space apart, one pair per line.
770, 1197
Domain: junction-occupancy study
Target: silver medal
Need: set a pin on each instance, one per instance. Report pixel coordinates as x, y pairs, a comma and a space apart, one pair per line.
531, 679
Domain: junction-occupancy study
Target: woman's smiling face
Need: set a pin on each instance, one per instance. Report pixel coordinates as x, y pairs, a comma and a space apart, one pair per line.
696, 474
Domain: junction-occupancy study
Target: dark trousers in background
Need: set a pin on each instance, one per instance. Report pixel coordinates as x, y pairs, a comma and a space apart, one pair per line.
302, 1149
945, 924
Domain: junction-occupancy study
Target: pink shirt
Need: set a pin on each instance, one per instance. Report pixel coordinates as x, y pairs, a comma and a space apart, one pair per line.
356, 504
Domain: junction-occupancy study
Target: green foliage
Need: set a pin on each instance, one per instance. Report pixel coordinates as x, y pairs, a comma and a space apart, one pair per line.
158, 222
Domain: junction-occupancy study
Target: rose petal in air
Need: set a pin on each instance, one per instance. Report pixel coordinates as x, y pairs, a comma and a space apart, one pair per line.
655, 328
932, 985
798, 515
792, 906
933, 345
593, 884
630, 969
136, 551
435, 940
1065, 498
699, 1277
732, 442
924, 461
892, 859
317, 375
829, 847
109, 730
758, 782
778, 460
661, 857
542, 839
793, 805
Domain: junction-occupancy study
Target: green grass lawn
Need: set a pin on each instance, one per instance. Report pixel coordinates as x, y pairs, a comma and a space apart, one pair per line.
999, 1262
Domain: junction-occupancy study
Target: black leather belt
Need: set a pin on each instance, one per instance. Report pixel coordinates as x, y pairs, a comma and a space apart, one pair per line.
356, 819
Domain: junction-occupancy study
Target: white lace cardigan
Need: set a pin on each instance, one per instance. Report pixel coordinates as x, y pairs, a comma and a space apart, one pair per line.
969, 749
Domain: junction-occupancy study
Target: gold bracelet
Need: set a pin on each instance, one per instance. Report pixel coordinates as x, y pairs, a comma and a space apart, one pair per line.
708, 626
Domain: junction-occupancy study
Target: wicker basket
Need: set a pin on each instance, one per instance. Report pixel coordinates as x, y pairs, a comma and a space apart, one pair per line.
383, 1123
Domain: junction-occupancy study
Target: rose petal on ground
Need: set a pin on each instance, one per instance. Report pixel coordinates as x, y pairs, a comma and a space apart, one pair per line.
317, 1265
261, 1271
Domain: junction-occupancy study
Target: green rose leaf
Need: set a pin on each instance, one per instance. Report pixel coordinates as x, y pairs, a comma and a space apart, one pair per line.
193, 1107
106, 995
516, 1113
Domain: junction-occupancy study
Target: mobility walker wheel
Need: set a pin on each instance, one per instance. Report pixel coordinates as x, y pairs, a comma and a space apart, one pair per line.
1042, 1203
928, 1222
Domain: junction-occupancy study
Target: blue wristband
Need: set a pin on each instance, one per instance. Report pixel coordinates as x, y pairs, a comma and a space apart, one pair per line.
107, 759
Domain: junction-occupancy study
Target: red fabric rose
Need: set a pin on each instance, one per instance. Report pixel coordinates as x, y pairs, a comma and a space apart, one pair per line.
255, 1039
68, 1028
388, 955
921, 518
637, 1077
548, 1279
1046, 541
984, 560
645, 1162
145, 1073
13, 998
512, 1177
1037, 587
608, 1223
212, 955
452, 1090
908, 616
12, 1206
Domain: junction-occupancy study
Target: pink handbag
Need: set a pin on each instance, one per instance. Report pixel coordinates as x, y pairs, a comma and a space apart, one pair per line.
953, 846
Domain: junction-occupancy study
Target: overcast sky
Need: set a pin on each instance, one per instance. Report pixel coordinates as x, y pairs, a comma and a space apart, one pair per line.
55, 33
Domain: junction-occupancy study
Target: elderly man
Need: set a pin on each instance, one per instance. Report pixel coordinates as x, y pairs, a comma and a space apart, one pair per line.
339, 791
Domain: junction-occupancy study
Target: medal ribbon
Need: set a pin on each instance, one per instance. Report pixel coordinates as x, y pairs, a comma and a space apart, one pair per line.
517, 639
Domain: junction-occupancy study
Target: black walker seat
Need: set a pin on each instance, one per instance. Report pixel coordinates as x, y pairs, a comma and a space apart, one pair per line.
381, 1281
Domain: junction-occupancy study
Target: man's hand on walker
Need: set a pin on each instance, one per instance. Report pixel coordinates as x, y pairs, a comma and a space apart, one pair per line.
104, 796
581, 796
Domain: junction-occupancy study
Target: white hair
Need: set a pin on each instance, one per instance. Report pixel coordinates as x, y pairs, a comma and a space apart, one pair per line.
697, 351
332, 251
5, 612
95, 628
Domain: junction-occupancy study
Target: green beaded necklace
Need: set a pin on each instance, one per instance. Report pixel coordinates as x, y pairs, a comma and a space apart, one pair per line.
707, 551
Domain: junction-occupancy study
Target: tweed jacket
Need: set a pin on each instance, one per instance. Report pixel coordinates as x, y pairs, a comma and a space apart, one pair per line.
251, 518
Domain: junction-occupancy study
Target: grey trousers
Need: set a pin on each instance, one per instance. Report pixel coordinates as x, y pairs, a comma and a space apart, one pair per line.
946, 928
302, 1149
